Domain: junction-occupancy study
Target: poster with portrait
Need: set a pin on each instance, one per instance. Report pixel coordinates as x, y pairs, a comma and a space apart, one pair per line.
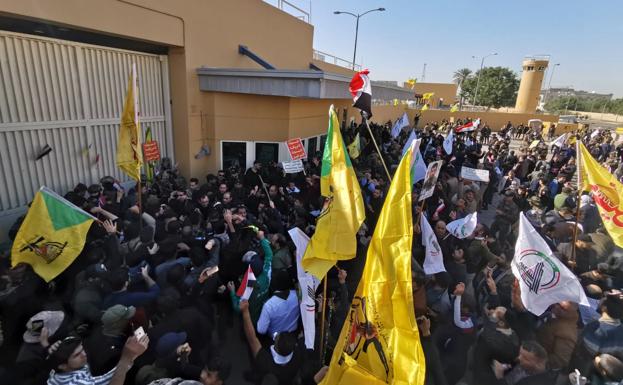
432, 173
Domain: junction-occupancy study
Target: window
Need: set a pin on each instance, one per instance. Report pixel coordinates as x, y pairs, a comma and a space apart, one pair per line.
530, 68
541, 68
267, 152
311, 147
234, 155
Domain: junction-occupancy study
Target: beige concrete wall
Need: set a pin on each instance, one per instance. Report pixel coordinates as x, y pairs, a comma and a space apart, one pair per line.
447, 91
119, 18
495, 120
206, 33
328, 67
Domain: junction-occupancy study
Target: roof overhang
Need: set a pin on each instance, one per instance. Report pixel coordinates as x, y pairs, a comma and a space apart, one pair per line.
291, 83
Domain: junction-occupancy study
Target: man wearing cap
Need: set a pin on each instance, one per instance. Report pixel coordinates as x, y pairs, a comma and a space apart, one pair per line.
172, 353
104, 345
535, 213
68, 361
564, 198
40, 329
507, 214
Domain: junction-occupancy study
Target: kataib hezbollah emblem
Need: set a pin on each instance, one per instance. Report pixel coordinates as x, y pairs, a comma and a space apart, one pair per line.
49, 251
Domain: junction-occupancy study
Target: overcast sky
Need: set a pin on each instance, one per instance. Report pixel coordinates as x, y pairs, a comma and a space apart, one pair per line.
586, 38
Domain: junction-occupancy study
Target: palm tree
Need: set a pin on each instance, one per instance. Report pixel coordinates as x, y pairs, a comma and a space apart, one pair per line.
460, 75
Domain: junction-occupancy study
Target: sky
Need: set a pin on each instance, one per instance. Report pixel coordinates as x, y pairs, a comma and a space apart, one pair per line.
585, 37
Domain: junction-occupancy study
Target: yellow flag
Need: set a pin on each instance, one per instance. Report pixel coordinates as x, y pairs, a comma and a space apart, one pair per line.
51, 236
411, 82
395, 102
355, 147
428, 95
338, 223
571, 140
619, 130
607, 192
129, 153
455, 107
425, 108
379, 342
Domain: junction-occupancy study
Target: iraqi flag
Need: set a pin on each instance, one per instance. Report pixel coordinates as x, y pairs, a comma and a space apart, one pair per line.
361, 89
471, 126
543, 279
246, 287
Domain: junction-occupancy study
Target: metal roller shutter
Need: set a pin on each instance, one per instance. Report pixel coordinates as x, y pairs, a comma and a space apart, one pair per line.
70, 96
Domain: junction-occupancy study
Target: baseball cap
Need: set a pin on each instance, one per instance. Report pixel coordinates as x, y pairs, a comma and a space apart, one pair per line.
63, 351
118, 314
168, 343
50, 320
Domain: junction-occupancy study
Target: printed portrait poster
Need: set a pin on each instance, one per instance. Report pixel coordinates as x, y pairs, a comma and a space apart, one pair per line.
432, 173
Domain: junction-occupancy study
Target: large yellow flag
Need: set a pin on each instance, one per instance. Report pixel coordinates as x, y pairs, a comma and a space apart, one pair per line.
428, 95
51, 236
606, 189
379, 342
425, 108
411, 82
455, 107
338, 223
355, 147
129, 153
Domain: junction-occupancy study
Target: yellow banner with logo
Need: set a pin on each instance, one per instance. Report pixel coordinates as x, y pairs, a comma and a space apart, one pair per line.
607, 192
380, 342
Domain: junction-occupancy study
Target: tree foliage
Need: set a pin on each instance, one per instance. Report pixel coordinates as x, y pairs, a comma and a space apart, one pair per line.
461, 75
498, 87
585, 104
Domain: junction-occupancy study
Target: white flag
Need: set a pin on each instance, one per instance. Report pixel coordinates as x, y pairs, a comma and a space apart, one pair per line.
543, 279
560, 141
447, 143
308, 284
400, 124
433, 260
464, 227
410, 139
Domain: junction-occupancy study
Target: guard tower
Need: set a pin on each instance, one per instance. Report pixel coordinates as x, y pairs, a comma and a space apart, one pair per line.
530, 86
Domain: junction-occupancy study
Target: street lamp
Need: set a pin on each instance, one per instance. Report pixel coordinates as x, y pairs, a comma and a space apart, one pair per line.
482, 62
357, 16
549, 85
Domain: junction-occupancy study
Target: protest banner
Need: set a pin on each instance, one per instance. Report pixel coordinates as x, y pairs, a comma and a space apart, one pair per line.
296, 149
475, 174
293, 167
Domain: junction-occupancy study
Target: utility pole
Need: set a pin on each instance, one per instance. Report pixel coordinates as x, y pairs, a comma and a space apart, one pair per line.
424, 72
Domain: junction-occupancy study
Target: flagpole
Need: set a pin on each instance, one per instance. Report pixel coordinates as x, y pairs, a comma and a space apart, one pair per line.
577, 204
365, 119
322, 320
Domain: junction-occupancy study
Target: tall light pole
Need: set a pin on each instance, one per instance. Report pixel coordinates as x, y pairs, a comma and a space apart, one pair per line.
357, 16
482, 63
549, 85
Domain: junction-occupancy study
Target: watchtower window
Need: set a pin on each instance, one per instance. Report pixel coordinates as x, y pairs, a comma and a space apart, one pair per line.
530, 68
542, 68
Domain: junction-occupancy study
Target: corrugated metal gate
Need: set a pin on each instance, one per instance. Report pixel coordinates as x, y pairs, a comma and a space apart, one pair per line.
69, 96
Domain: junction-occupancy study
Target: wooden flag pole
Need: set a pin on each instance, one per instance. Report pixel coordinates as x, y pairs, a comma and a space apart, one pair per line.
363, 115
265, 189
322, 320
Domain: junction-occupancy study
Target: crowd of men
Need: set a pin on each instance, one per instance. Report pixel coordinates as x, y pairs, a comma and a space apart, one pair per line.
151, 298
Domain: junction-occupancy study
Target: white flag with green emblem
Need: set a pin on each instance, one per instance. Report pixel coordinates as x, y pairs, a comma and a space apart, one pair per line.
543, 279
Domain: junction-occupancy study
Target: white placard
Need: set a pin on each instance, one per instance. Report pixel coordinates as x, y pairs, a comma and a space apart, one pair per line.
475, 174
293, 167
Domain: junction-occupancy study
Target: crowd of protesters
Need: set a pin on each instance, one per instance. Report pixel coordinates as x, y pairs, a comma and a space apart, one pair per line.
150, 298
